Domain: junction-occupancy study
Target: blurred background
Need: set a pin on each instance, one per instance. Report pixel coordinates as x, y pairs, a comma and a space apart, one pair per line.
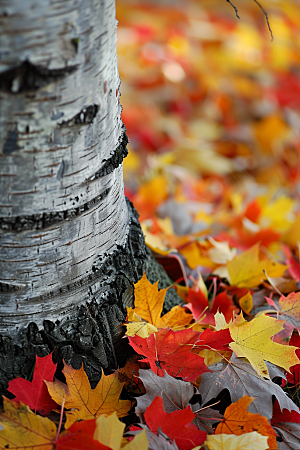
212, 109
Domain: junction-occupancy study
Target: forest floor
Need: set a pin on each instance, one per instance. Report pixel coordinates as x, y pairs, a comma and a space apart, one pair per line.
212, 109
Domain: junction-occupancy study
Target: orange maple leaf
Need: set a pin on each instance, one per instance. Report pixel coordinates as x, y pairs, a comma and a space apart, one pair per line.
83, 401
146, 317
149, 301
237, 420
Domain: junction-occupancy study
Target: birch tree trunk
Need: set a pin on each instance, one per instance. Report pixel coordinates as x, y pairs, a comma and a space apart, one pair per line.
70, 243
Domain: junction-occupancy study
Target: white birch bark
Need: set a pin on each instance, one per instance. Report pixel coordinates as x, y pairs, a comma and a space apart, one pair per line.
70, 243
60, 125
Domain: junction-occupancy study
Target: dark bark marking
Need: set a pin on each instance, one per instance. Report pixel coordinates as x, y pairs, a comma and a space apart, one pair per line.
77, 171
24, 192
49, 262
54, 149
40, 221
70, 102
8, 287
11, 145
57, 116
100, 71
85, 116
49, 175
90, 147
17, 260
60, 264
24, 246
89, 68
82, 260
62, 169
116, 158
84, 156
75, 42
28, 77
33, 151
24, 113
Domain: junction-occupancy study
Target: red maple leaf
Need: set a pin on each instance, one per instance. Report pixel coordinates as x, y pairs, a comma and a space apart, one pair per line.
294, 377
35, 393
198, 302
214, 340
292, 262
176, 425
244, 239
170, 350
80, 437
283, 415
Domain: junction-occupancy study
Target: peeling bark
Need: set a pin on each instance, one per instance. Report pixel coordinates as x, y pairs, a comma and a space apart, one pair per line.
70, 244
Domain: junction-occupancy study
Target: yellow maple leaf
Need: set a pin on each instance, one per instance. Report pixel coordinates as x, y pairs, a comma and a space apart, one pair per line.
247, 270
83, 401
109, 431
277, 213
252, 340
220, 321
211, 357
139, 442
292, 235
24, 429
141, 328
247, 441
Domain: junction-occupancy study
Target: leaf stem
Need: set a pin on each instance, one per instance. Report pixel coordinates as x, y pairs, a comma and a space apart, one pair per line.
60, 420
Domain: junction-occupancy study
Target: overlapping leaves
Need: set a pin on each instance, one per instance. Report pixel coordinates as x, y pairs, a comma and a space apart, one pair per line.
205, 157
173, 412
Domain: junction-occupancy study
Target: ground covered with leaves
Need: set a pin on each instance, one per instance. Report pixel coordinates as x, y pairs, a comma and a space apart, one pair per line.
212, 110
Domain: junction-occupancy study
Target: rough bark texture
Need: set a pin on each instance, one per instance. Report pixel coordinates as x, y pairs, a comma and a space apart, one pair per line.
90, 332
70, 244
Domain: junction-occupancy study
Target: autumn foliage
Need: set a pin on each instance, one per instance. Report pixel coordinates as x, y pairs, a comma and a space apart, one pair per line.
211, 106
174, 385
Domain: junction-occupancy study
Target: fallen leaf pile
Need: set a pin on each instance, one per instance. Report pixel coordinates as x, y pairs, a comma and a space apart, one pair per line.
191, 385
212, 110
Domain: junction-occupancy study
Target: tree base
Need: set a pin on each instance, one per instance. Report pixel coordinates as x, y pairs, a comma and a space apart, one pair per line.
92, 333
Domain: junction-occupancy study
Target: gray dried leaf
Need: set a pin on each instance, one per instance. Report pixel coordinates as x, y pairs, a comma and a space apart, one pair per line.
290, 434
205, 418
239, 377
175, 393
